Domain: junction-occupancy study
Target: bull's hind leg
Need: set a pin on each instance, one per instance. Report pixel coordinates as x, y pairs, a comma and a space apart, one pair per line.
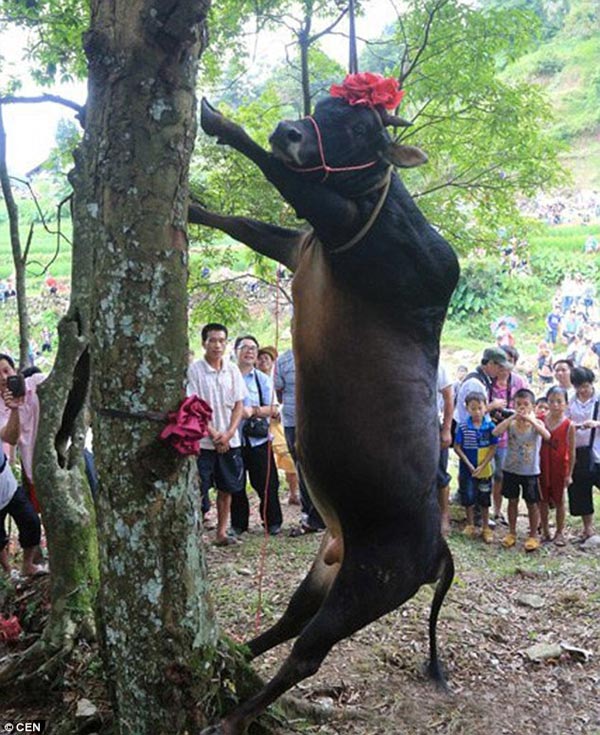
303, 605
361, 593
434, 668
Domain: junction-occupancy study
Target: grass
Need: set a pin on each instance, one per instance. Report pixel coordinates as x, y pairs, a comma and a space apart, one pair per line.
562, 239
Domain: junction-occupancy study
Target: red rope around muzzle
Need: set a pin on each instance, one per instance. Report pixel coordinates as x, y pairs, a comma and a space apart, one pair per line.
324, 165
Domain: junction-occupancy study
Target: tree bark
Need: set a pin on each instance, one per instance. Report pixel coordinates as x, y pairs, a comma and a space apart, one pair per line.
17, 253
158, 627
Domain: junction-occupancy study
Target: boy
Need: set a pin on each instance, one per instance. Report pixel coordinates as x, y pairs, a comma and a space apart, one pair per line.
541, 408
475, 445
522, 466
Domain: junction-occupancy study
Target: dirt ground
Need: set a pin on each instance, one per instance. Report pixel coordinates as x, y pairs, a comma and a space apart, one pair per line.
372, 683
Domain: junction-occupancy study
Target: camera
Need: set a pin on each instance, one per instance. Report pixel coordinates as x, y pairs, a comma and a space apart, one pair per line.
16, 385
499, 414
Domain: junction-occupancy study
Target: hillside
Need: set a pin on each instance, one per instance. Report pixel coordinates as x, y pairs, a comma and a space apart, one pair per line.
567, 64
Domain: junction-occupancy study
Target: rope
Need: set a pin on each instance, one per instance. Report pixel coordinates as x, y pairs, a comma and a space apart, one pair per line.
371, 221
324, 166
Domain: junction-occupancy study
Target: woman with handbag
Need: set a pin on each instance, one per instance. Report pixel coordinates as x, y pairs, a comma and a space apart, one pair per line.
583, 411
257, 452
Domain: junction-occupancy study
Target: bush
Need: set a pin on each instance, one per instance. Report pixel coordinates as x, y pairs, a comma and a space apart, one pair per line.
548, 66
485, 292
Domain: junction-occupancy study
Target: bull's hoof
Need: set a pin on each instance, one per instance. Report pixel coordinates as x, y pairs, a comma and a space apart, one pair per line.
212, 121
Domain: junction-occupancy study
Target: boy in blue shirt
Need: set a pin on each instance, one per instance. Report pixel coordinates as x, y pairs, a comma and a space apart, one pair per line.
476, 445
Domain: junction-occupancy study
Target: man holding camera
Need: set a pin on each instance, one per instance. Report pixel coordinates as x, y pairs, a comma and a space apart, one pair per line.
19, 416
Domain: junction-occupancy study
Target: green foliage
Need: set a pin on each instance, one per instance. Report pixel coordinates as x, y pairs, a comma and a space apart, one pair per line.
547, 65
477, 296
484, 133
215, 301
485, 290
54, 49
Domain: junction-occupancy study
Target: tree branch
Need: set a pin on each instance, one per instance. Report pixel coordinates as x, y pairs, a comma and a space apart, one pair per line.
12, 99
411, 66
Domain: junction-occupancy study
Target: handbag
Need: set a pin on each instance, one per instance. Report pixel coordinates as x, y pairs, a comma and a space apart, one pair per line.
256, 427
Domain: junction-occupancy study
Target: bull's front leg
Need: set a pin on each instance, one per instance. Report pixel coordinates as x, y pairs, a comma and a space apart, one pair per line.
279, 243
334, 218
215, 124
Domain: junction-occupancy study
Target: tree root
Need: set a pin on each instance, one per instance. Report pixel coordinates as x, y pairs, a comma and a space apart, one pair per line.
38, 667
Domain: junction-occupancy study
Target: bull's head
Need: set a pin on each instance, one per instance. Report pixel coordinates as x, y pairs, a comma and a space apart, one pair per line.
350, 142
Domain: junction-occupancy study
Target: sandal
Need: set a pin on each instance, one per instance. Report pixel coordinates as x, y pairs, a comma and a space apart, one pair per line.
227, 541
559, 540
531, 544
509, 540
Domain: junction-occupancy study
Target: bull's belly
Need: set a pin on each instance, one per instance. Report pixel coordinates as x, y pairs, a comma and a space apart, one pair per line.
352, 470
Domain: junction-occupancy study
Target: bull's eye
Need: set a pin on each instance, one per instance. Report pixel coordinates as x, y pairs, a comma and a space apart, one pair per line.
359, 129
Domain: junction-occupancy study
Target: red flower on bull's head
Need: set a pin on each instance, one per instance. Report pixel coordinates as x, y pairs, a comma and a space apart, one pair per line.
369, 89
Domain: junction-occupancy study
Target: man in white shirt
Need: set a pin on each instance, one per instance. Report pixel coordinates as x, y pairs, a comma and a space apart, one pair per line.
219, 382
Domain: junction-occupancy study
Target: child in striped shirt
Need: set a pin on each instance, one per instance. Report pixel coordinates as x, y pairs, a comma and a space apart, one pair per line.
476, 445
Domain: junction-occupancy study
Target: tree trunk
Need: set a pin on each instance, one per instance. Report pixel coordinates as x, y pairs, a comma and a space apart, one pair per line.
158, 627
304, 43
15, 243
67, 507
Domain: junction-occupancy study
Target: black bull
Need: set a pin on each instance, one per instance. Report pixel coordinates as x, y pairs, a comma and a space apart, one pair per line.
372, 282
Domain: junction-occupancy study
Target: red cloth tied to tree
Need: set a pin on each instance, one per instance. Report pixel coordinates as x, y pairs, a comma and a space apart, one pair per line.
188, 425
10, 629
369, 89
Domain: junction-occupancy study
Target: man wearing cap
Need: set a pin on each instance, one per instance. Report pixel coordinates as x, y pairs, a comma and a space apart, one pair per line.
480, 381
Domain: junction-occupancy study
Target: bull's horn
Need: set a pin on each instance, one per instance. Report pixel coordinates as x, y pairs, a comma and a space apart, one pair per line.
394, 120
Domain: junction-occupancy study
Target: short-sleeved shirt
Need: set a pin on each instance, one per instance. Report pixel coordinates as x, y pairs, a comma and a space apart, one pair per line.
221, 389
253, 399
523, 452
442, 383
29, 418
553, 320
285, 381
8, 484
475, 443
579, 412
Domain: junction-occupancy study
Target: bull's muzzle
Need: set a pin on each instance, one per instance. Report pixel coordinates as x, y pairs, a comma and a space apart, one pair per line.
286, 141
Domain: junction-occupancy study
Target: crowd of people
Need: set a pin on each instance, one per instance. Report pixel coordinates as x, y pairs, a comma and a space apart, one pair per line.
508, 443
581, 207
251, 435
511, 445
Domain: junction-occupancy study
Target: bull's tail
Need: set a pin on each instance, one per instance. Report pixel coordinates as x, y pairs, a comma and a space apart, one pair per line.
434, 668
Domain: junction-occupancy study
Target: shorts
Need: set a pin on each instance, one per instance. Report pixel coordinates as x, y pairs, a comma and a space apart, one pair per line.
581, 502
499, 462
224, 472
442, 478
475, 491
512, 484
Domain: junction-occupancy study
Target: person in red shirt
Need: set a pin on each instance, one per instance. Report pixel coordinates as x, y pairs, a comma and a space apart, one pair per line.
557, 459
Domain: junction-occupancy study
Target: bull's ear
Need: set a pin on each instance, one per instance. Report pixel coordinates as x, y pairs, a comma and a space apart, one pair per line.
405, 156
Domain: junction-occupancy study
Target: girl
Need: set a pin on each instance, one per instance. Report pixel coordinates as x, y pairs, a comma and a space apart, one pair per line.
557, 459
583, 412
